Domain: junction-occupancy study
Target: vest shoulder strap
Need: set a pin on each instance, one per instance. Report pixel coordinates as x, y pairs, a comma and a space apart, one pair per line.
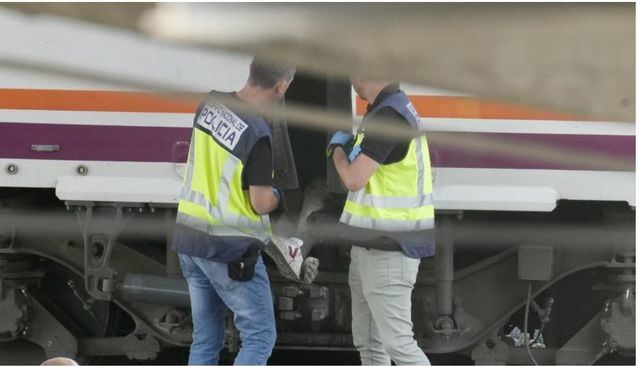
399, 102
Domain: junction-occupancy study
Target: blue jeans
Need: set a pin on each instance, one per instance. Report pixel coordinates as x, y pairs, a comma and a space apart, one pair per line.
212, 291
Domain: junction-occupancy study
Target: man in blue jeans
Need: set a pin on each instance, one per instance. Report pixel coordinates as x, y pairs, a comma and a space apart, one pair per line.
223, 221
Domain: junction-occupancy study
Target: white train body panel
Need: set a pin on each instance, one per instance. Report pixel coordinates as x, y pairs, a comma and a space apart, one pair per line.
134, 152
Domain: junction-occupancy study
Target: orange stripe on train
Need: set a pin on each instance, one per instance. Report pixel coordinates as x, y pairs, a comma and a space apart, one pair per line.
93, 100
121, 101
474, 108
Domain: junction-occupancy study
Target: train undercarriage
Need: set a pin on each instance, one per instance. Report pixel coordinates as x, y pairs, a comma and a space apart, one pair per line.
97, 279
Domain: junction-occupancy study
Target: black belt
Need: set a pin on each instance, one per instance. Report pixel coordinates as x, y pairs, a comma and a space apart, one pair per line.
382, 243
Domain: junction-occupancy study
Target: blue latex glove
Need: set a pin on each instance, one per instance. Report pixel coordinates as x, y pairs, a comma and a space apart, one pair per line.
354, 153
339, 139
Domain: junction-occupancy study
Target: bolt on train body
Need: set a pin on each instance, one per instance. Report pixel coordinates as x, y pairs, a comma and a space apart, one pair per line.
90, 174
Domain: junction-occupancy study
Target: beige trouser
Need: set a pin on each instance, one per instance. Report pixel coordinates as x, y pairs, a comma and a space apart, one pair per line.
381, 284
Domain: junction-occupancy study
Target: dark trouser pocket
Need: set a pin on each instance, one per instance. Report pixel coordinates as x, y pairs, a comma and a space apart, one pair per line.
244, 268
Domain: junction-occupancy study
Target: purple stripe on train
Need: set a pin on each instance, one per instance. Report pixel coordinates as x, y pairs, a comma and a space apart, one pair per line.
167, 144
92, 143
620, 149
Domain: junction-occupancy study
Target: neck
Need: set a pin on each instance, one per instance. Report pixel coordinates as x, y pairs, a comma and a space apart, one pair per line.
372, 96
375, 90
252, 95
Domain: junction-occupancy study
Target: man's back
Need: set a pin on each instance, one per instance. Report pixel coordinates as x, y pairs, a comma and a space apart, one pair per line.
255, 171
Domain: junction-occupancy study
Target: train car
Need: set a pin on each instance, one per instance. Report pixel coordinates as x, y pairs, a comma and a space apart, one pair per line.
535, 209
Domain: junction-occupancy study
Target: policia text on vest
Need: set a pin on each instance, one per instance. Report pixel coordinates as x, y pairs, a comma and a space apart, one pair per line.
223, 124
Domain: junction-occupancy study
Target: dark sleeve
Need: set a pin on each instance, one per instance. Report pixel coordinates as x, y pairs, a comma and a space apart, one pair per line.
380, 148
259, 165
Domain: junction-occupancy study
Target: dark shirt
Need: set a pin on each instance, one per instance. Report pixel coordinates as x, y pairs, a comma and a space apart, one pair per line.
385, 150
258, 171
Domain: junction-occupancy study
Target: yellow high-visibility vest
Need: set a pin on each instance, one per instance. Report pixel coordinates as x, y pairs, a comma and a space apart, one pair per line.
212, 199
399, 196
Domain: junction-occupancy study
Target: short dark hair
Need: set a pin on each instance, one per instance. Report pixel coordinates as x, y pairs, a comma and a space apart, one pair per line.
266, 74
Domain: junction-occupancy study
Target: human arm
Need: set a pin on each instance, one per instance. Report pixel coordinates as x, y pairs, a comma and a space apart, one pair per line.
354, 175
259, 178
264, 199
374, 150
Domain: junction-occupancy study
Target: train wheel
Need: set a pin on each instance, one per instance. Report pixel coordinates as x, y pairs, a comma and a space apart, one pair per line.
61, 292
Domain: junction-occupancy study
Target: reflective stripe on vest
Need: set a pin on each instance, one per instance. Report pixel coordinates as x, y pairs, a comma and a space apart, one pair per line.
383, 204
212, 199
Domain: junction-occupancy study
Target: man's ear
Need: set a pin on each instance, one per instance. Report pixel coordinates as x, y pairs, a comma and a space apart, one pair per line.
281, 87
